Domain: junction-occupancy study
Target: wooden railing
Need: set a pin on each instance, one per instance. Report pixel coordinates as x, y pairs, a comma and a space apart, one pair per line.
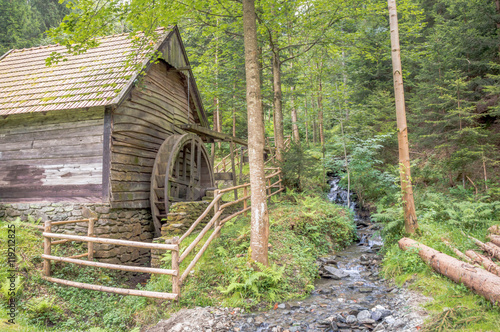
274, 186
217, 224
91, 239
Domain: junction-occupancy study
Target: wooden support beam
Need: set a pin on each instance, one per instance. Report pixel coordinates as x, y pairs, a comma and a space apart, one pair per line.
90, 245
80, 255
205, 132
176, 285
197, 257
46, 249
121, 291
127, 243
111, 266
56, 223
233, 168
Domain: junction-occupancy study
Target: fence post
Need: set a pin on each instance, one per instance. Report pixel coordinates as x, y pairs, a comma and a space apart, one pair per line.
46, 248
233, 168
241, 163
176, 286
245, 204
216, 207
90, 245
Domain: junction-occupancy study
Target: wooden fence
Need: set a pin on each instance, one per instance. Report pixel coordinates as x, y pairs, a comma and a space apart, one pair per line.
274, 186
91, 239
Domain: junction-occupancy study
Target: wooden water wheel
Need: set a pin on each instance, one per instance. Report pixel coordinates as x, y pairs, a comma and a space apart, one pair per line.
182, 172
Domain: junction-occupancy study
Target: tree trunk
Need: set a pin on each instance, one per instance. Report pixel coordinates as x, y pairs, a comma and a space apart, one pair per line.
320, 111
484, 261
305, 120
295, 126
489, 247
259, 233
278, 107
216, 99
495, 229
234, 109
411, 224
479, 281
495, 239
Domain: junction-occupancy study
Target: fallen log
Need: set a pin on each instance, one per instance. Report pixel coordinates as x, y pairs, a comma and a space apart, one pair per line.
489, 247
487, 263
479, 281
456, 251
495, 239
495, 229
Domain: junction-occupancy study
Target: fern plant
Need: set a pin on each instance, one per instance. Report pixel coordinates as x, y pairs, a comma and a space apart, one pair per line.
254, 284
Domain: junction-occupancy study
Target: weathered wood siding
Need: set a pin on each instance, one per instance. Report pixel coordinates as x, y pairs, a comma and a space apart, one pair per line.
52, 157
155, 109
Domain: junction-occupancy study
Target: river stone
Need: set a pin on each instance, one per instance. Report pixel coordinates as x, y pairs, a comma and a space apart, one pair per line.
377, 315
399, 323
334, 273
365, 314
365, 289
389, 320
351, 319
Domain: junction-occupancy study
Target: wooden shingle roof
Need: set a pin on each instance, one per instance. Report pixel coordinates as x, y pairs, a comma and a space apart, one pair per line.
95, 78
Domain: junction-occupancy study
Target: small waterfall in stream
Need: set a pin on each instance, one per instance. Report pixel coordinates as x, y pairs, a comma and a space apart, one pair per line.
338, 194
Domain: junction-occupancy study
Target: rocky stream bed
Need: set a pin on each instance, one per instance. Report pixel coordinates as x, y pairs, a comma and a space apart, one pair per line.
350, 296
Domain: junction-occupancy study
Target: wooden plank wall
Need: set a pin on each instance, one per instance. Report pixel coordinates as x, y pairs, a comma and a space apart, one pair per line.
53, 156
157, 106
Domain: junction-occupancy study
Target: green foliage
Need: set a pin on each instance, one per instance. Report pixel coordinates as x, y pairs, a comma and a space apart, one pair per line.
368, 181
399, 263
43, 311
301, 168
256, 282
23, 23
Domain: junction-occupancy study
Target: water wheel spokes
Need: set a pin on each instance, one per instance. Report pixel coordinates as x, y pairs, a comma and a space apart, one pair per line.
181, 172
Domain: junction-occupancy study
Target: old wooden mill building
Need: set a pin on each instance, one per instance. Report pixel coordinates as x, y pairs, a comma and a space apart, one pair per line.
93, 137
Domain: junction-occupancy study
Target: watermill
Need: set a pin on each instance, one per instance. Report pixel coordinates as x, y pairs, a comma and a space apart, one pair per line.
182, 172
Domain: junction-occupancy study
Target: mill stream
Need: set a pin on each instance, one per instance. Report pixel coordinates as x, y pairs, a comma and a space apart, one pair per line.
350, 296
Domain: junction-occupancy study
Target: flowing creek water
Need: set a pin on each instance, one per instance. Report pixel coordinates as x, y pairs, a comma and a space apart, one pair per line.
350, 296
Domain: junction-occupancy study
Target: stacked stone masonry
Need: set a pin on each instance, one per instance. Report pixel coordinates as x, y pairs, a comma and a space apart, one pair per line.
134, 225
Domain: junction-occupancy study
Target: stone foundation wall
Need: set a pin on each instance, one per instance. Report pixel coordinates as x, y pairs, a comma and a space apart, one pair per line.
134, 225
181, 216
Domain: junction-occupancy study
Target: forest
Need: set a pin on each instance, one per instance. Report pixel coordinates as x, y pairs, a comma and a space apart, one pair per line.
326, 80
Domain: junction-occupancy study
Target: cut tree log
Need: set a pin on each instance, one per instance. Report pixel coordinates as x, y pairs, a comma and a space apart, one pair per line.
495, 229
479, 281
495, 239
489, 247
456, 251
487, 263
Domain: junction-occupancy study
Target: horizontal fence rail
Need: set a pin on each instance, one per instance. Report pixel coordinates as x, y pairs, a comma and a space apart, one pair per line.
48, 235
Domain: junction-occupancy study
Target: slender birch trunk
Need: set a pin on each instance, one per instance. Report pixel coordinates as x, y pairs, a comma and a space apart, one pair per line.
259, 233
411, 224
